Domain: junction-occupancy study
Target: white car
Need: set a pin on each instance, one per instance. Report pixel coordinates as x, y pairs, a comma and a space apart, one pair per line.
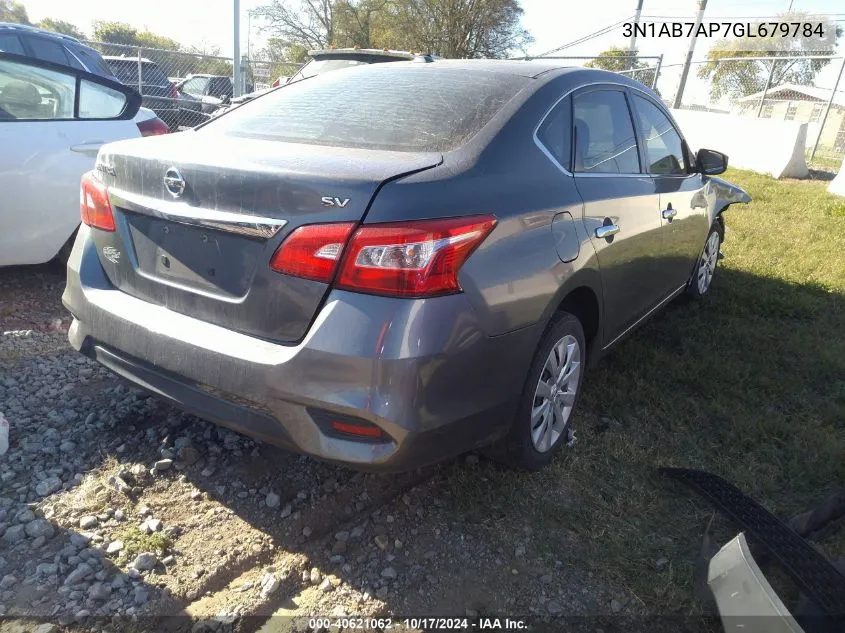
53, 121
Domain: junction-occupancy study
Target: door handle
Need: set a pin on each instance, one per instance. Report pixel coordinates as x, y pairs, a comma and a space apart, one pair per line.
88, 147
669, 213
608, 230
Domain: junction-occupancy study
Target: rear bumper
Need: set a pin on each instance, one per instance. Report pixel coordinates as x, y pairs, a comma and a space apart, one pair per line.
422, 370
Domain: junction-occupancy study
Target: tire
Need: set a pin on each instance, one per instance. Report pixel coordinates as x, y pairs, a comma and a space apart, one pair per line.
526, 446
705, 268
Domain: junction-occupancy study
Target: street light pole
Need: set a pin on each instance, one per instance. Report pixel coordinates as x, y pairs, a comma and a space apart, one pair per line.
236, 57
702, 4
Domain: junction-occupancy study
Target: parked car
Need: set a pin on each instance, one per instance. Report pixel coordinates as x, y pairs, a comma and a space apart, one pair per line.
391, 265
48, 143
212, 90
48, 46
159, 95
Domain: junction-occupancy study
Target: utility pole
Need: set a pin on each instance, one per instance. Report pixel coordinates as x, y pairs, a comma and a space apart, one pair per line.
632, 47
702, 4
236, 55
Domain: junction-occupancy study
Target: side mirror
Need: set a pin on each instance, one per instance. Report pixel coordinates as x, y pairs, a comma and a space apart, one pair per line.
710, 162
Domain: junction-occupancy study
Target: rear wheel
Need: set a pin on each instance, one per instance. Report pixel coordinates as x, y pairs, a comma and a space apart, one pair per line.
705, 269
549, 396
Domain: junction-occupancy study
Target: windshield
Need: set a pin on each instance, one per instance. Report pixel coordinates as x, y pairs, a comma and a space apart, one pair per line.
378, 106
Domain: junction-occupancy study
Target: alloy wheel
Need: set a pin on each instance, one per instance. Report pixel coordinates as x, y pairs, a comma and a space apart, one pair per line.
555, 394
707, 265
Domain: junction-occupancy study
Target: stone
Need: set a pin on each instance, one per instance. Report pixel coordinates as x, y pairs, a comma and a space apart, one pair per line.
82, 571
48, 486
389, 573
46, 569
286, 511
326, 586
114, 547
272, 500
140, 596
306, 531
40, 527
99, 591
382, 542
151, 525
615, 606
8, 581
269, 584
14, 534
554, 608
189, 455
88, 522
342, 536
162, 465
47, 627
315, 576
145, 561
661, 563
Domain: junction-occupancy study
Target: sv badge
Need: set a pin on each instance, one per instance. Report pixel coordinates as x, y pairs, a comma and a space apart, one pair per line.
328, 201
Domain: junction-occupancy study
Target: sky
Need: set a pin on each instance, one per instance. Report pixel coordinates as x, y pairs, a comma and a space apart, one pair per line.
551, 22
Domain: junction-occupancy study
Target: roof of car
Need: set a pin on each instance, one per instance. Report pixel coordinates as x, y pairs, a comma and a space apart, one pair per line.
205, 75
126, 58
34, 29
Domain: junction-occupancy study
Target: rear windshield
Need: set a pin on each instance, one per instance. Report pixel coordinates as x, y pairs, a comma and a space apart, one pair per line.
377, 106
127, 71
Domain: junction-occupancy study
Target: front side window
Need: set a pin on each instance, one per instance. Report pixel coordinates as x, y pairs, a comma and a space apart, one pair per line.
664, 148
28, 92
604, 134
555, 133
196, 85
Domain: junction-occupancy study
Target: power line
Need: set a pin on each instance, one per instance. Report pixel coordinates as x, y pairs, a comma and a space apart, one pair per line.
585, 38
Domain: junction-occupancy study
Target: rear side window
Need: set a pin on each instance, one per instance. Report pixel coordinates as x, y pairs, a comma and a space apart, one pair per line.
604, 134
48, 51
555, 133
664, 149
11, 44
378, 106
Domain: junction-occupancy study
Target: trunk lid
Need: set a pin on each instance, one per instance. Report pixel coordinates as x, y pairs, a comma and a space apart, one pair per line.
205, 252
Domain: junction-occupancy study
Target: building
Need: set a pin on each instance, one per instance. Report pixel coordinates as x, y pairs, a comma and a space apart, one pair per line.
805, 104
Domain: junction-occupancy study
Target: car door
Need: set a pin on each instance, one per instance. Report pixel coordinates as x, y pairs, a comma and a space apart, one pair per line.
682, 203
620, 204
53, 120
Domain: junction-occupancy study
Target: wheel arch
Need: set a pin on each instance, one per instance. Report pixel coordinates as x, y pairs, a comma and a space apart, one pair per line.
581, 296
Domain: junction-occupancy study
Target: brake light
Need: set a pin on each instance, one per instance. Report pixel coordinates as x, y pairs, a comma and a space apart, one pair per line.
411, 259
94, 204
153, 127
312, 251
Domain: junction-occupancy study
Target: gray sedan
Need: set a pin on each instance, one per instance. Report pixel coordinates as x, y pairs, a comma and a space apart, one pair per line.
391, 265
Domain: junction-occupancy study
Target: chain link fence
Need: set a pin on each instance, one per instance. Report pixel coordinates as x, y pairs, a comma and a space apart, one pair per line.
186, 88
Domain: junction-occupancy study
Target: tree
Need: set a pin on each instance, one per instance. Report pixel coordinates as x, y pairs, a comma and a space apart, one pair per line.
12, 11
738, 78
619, 60
60, 26
448, 28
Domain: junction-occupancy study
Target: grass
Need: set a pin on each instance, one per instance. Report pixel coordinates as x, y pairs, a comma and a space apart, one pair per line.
748, 383
136, 542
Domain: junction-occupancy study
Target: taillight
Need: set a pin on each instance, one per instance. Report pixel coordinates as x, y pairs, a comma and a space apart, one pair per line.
153, 127
312, 251
94, 205
411, 259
